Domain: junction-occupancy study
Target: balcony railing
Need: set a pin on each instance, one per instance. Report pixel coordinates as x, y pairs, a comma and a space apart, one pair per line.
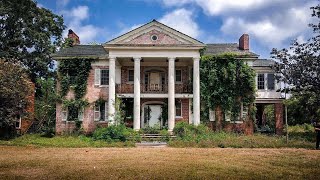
153, 88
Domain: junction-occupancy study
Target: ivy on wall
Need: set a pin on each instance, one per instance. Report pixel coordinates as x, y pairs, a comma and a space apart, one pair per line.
73, 74
226, 83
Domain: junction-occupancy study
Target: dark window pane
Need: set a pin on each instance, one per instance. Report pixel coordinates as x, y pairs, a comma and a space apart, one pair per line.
131, 75
104, 77
102, 112
178, 76
260, 81
178, 109
271, 81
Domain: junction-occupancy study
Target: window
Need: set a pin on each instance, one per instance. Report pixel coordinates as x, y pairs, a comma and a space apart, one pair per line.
104, 77
271, 80
260, 81
64, 114
18, 123
212, 115
154, 37
100, 112
101, 77
130, 75
80, 114
178, 109
178, 75
227, 116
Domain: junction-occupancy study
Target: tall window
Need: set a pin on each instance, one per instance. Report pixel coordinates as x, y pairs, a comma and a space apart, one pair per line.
104, 76
101, 77
100, 112
178, 109
271, 80
178, 75
130, 75
260, 81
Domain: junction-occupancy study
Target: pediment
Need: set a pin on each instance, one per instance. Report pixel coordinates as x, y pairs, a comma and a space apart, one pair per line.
154, 33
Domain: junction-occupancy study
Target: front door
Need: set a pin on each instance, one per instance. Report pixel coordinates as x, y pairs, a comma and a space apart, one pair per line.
153, 115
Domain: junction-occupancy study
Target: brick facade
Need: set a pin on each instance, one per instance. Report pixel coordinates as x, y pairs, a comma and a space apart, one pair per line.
278, 115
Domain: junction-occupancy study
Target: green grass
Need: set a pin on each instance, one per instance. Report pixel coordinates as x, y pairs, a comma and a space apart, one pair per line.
224, 140
62, 141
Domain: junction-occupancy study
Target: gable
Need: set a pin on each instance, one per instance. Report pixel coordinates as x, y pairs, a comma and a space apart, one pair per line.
164, 36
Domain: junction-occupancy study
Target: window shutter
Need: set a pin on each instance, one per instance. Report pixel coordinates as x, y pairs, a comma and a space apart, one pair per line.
80, 114
106, 111
64, 115
271, 80
97, 113
97, 75
212, 115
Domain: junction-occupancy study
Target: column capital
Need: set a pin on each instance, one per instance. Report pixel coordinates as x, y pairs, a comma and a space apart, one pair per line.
136, 58
196, 58
171, 58
112, 58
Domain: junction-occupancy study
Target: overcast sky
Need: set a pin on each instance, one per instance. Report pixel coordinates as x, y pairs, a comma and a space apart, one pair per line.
269, 23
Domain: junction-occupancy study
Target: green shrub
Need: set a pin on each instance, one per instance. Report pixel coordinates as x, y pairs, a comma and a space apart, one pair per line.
151, 130
187, 131
112, 133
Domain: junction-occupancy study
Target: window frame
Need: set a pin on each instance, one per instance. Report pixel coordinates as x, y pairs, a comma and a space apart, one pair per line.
175, 76
130, 70
178, 116
18, 121
64, 117
107, 77
81, 114
274, 83
261, 82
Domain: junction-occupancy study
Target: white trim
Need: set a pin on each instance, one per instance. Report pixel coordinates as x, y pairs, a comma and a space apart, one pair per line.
81, 114
64, 117
142, 111
175, 76
175, 109
19, 127
96, 111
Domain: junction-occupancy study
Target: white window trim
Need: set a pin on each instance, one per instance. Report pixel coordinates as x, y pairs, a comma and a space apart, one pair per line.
106, 85
64, 118
19, 127
81, 114
94, 113
212, 115
97, 77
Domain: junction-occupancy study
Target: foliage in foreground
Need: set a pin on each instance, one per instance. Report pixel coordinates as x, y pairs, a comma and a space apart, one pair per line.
118, 133
15, 90
200, 136
62, 142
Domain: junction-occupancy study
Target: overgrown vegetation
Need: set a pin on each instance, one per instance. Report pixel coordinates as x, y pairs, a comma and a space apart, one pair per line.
226, 84
16, 91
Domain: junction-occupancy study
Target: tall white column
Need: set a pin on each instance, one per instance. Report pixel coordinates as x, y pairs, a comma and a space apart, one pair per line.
171, 99
196, 91
136, 106
112, 90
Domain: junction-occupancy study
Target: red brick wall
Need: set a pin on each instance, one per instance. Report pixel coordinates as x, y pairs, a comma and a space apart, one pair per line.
162, 39
278, 115
27, 121
93, 93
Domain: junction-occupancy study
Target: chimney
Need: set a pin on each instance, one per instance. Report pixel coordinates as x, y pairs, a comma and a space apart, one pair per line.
72, 35
244, 42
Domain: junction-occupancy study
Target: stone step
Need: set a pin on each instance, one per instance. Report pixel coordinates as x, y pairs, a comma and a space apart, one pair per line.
154, 144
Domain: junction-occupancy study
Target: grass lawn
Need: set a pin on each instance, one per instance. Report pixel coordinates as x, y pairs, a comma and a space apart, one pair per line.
18, 162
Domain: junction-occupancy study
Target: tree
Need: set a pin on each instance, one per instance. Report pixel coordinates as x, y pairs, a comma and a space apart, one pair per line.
14, 92
226, 83
299, 66
29, 34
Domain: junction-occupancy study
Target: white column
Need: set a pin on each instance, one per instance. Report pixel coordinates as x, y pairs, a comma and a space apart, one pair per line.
112, 89
136, 106
171, 99
196, 91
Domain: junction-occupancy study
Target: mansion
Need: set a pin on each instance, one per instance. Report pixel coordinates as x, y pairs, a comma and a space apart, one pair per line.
154, 66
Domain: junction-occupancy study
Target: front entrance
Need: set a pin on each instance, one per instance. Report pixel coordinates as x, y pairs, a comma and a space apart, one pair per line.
152, 115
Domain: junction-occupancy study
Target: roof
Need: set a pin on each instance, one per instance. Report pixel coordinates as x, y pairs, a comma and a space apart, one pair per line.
215, 49
263, 63
137, 31
90, 51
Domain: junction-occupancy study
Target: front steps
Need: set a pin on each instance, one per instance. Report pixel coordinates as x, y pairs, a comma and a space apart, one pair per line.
154, 140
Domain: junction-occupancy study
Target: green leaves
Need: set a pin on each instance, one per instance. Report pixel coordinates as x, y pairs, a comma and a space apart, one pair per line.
29, 34
226, 81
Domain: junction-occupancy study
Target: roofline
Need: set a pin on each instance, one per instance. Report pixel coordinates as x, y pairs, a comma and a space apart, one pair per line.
106, 43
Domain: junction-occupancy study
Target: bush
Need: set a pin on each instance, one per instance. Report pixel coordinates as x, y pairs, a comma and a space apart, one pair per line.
187, 131
112, 133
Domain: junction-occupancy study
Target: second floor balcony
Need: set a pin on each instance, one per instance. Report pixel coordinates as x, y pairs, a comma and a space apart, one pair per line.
153, 88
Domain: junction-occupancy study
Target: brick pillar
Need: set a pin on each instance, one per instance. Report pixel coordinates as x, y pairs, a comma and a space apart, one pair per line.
278, 115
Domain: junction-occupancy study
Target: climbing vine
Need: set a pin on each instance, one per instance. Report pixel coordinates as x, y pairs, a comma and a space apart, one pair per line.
73, 74
226, 83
